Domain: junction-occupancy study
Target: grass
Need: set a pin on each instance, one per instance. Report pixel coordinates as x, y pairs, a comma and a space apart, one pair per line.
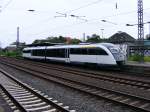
139, 58
11, 54
147, 58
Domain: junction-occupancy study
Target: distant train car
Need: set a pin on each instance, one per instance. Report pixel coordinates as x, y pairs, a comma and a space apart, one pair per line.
101, 53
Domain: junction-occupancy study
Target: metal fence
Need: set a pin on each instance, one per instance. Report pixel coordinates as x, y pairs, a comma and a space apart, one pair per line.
135, 50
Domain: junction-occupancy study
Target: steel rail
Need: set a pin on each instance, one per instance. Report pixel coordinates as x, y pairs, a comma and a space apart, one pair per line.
34, 72
109, 78
48, 101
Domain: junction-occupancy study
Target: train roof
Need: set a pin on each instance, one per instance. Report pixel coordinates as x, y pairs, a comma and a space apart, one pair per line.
73, 46
44, 44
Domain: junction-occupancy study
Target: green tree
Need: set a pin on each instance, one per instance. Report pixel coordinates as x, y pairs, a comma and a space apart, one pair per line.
36, 41
94, 38
148, 36
75, 41
59, 39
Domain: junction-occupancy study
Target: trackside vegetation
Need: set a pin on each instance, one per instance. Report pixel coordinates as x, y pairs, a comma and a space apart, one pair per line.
137, 57
19, 54
11, 53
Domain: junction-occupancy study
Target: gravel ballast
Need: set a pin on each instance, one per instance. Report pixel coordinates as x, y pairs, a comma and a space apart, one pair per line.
74, 99
4, 107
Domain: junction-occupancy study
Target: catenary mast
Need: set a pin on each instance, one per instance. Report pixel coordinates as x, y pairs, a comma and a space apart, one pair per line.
140, 29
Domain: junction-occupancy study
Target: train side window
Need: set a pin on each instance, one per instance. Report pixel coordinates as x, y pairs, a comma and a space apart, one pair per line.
62, 53
92, 51
34, 53
82, 51
41, 52
55, 53
26, 51
101, 52
73, 51
38, 52
49, 52
58, 53
96, 51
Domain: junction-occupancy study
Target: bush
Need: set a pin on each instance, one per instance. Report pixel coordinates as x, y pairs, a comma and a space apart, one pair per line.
147, 58
139, 58
11, 54
135, 57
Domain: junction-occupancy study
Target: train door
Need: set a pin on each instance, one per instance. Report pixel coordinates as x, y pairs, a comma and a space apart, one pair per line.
92, 56
67, 52
102, 56
45, 53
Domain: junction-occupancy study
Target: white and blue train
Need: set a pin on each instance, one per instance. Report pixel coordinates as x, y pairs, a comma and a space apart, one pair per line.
101, 53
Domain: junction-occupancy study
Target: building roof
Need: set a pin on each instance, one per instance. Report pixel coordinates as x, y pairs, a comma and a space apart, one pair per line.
121, 37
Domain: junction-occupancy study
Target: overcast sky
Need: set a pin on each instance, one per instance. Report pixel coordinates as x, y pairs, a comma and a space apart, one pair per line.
42, 22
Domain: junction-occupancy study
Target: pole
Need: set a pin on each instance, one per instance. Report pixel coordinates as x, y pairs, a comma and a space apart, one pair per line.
140, 30
102, 32
17, 41
149, 28
0, 47
83, 37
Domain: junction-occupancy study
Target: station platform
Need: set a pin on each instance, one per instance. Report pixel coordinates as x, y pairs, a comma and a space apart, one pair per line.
139, 64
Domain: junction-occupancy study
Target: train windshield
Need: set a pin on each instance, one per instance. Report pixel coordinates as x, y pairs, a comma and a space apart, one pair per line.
112, 48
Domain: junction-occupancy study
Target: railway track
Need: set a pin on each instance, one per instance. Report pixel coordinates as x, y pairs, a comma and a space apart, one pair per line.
23, 98
141, 71
131, 100
126, 69
141, 84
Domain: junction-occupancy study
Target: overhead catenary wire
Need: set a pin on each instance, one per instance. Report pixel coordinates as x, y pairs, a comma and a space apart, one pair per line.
41, 22
84, 6
65, 15
64, 26
48, 20
94, 19
6, 5
69, 11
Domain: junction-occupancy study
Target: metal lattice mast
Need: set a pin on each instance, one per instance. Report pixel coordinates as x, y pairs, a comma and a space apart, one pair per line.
141, 29
140, 21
